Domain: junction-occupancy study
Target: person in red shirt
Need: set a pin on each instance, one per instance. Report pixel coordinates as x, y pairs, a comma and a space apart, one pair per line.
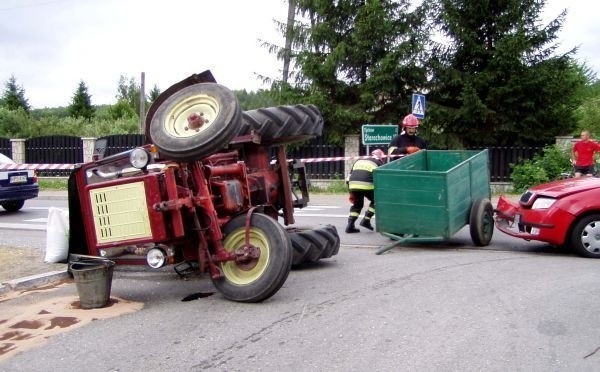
582, 155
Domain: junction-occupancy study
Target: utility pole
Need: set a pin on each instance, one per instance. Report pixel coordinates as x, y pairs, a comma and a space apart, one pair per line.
288, 39
142, 102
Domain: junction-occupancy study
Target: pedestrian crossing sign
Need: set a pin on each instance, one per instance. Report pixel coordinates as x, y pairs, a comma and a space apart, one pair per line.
418, 105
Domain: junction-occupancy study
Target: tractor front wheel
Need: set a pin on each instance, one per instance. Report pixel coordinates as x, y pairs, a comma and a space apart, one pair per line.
195, 122
261, 277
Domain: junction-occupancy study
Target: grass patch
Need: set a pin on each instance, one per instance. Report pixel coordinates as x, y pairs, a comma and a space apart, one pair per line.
52, 183
329, 187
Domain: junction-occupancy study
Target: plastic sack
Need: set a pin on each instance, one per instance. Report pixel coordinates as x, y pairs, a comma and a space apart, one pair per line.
57, 236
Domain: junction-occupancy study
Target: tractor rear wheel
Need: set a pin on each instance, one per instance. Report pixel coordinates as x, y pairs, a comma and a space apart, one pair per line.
259, 278
311, 245
195, 122
283, 124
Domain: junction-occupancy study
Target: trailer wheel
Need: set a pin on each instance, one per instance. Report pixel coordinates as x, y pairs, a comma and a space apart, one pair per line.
195, 122
282, 124
481, 222
259, 279
584, 235
311, 245
13, 205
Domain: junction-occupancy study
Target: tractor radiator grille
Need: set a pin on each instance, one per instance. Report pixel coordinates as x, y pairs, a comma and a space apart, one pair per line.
120, 213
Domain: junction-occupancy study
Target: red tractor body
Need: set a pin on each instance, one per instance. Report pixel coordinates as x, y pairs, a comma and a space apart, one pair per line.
201, 195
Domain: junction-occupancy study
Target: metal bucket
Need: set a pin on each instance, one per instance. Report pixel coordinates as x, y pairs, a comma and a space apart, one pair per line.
93, 278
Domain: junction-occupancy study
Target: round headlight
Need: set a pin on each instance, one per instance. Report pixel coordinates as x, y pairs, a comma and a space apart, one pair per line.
139, 158
156, 258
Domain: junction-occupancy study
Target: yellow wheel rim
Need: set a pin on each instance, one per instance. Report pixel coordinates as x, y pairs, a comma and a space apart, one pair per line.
176, 123
243, 274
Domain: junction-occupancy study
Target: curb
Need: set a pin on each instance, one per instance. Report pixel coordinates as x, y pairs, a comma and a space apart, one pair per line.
33, 281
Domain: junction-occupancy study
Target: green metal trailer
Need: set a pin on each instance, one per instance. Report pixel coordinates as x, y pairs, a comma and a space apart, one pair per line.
432, 194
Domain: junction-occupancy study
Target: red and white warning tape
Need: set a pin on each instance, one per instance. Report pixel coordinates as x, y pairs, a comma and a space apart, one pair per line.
339, 158
71, 166
36, 166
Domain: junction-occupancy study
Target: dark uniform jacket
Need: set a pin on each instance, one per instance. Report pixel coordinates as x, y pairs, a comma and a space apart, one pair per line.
402, 141
361, 176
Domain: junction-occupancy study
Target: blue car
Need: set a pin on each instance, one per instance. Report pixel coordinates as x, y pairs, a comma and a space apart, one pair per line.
16, 186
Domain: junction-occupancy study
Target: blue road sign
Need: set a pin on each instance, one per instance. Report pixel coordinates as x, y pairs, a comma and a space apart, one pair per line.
418, 105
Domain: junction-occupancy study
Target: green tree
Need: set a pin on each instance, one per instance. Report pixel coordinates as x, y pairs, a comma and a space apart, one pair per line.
588, 113
254, 100
129, 91
14, 96
497, 80
81, 104
153, 95
359, 61
122, 109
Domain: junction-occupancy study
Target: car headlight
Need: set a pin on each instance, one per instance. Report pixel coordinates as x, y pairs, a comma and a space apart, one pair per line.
139, 158
543, 203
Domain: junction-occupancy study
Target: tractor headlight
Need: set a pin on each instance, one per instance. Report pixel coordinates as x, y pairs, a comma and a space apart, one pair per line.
139, 158
156, 258
543, 203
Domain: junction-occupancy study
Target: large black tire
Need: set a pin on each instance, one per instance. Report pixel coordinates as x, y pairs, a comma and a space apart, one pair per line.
168, 128
261, 278
13, 205
311, 245
481, 222
584, 235
282, 124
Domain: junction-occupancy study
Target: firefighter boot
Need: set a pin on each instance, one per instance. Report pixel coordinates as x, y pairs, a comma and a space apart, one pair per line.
366, 223
350, 229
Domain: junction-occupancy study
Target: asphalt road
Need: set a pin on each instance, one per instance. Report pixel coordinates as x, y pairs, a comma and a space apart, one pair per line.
445, 306
409, 309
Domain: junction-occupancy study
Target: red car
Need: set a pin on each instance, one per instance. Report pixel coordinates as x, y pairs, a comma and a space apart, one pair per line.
562, 213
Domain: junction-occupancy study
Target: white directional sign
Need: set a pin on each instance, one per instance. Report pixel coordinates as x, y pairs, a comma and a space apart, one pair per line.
418, 105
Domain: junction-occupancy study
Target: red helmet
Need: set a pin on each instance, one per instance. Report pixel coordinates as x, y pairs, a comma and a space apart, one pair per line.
410, 121
378, 154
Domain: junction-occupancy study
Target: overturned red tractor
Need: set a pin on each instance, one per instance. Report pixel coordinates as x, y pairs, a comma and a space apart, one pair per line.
206, 193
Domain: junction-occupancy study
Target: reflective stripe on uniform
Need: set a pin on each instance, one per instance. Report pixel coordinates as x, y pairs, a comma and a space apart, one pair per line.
360, 185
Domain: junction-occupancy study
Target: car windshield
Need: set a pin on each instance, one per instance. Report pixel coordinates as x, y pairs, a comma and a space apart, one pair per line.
5, 159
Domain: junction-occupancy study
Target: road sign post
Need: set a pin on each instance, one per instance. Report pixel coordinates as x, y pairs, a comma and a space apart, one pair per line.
418, 105
377, 134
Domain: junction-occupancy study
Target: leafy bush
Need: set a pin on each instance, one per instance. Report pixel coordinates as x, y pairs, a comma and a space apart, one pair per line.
544, 167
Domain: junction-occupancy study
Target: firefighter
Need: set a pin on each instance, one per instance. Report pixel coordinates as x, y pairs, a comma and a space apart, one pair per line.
360, 186
407, 142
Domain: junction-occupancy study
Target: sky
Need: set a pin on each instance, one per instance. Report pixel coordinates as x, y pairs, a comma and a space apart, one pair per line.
49, 46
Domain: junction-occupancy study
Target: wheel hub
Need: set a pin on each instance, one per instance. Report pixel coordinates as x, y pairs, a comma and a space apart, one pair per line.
191, 116
590, 237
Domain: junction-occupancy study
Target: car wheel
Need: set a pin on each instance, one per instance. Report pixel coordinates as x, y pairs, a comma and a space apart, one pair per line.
585, 236
481, 222
195, 122
13, 205
259, 278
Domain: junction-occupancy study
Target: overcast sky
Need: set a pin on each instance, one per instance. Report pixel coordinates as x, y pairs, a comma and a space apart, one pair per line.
50, 45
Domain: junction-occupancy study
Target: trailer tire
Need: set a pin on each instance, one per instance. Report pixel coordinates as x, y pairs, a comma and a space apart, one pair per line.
481, 222
583, 236
311, 245
262, 277
282, 124
169, 131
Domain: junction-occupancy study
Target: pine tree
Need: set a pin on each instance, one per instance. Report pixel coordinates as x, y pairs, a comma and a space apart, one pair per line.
14, 96
497, 80
153, 94
81, 104
359, 61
